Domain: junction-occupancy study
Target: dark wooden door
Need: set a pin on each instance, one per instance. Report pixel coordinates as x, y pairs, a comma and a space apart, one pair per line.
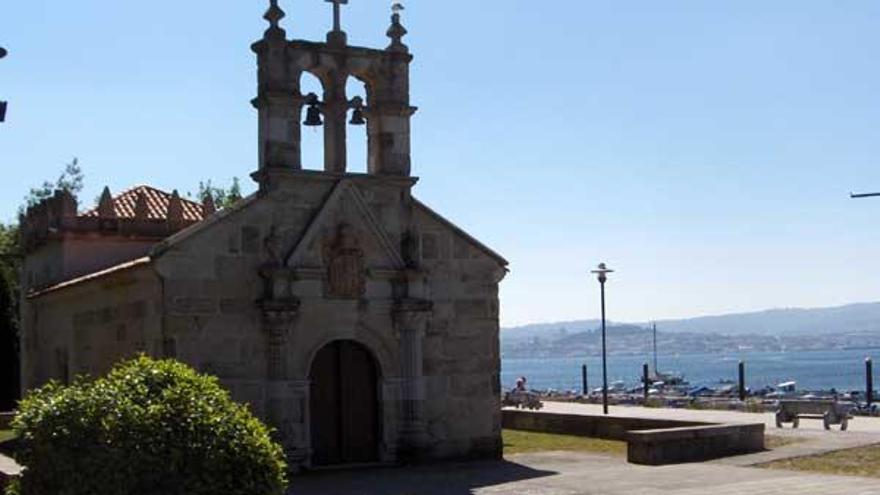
344, 405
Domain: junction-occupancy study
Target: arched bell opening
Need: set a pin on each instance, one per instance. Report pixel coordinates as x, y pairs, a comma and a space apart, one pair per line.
356, 93
312, 120
344, 405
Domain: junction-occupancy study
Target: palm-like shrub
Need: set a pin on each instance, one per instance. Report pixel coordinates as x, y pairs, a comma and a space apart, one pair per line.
148, 428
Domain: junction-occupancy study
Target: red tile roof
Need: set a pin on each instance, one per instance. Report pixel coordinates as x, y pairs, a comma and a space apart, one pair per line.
157, 205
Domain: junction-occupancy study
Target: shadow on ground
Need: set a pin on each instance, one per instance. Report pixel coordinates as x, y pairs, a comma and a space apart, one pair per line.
9, 447
438, 479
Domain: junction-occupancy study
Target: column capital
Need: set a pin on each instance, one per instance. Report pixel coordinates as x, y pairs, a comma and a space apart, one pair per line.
411, 314
279, 312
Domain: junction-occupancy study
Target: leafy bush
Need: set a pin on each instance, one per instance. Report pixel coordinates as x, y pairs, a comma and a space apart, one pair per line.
148, 428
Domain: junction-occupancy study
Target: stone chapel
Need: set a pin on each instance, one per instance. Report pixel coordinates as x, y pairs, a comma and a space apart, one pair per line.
352, 318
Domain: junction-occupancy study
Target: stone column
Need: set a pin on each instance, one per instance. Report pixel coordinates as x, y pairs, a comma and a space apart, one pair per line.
335, 114
390, 111
389, 138
411, 320
278, 99
281, 413
279, 130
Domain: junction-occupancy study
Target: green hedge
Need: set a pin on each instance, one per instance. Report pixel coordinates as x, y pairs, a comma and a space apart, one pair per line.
148, 428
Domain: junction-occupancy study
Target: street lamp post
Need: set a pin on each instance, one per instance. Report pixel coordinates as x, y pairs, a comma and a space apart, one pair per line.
3, 104
602, 274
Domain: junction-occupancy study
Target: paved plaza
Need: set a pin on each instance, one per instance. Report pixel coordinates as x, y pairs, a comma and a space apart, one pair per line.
857, 425
558, 473
567, 473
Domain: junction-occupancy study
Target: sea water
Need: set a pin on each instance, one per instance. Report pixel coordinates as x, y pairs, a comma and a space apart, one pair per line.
843, 370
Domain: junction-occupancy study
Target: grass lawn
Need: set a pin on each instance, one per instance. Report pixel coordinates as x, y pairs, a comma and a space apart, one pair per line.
525, 442
772, 442
6, 435
864, 461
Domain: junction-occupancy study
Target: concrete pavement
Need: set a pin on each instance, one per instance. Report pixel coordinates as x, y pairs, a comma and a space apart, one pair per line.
564, 473
567, 473
858, 425
812, 438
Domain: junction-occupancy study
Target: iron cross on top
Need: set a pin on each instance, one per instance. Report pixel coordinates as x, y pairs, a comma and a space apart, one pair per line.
337, 13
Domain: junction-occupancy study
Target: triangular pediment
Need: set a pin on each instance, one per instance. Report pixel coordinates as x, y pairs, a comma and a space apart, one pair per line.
346, 221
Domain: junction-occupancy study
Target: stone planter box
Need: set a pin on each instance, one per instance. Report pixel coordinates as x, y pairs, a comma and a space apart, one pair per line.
649, 441
693, 443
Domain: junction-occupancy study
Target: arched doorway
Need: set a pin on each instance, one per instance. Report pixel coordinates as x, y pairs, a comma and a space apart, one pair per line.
344, 405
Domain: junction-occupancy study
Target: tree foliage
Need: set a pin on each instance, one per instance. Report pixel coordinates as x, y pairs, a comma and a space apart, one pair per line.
223, 197
10, 257
148, 428
71, 179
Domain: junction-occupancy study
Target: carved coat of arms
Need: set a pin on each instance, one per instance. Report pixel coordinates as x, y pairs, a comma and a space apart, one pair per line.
344, 261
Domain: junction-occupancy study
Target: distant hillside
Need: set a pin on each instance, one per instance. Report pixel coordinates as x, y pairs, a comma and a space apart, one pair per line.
852, 318
863, 317
855, 326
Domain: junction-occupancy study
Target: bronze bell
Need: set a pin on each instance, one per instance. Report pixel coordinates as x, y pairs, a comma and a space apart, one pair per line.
313, 116
357, 117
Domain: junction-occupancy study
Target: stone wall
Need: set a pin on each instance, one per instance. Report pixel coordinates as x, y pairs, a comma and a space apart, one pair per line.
86, 328
649, 441
462, 357
605, 427
693, 444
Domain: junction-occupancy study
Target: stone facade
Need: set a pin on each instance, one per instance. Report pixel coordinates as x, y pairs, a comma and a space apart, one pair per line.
252, 293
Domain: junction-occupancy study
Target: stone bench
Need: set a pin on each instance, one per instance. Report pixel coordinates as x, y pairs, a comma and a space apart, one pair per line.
649, 441
830, 412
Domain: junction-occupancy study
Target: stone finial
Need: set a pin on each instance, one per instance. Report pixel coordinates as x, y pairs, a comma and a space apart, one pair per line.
105, 205
273, 16
141, 208
396, 32
175, 208
208, 205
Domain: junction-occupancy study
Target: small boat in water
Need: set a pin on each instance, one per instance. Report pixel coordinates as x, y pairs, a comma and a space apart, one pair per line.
669, 379
664, 379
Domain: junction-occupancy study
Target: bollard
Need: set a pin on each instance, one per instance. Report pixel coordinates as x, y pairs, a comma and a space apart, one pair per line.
742, 381
586, 389
869, 382
645, 380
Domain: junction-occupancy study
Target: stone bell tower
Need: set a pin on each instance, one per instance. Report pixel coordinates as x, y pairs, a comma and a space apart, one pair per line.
280, 102
379, 318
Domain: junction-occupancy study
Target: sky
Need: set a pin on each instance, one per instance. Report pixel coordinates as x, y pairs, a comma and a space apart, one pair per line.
704, 150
